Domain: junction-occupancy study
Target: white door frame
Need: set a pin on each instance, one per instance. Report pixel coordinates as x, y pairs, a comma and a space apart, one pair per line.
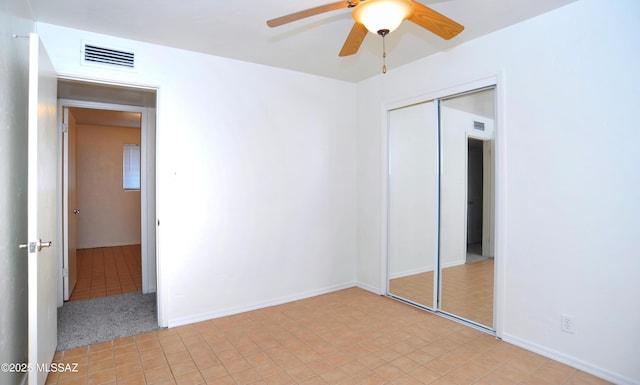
149, 265
67, 286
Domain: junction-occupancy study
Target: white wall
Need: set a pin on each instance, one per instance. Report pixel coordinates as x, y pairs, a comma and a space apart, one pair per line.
568, 177
109, 215
255, 175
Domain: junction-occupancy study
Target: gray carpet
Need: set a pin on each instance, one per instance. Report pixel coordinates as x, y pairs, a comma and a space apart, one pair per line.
474, 253
91, 321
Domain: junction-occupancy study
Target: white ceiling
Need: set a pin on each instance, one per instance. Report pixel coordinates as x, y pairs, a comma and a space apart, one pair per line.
237, 29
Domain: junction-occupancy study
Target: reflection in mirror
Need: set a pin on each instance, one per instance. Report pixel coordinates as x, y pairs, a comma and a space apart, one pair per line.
413, 202
467, 207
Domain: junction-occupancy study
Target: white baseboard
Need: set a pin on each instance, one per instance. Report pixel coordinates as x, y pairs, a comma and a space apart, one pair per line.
570, 360
425, 269
369, 288
255, 306
407, 273
108, 244
150, 289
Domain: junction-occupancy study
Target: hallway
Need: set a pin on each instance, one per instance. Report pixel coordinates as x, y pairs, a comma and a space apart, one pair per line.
107, 271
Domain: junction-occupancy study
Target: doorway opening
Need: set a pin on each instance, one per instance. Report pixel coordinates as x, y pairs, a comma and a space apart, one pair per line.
474, 200
108, 264
104, 236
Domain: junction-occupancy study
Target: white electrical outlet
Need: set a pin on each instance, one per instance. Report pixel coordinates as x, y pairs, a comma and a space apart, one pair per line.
567, 323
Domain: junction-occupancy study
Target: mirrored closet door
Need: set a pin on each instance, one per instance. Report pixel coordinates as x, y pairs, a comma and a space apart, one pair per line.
441, 205
467, 207
413, 202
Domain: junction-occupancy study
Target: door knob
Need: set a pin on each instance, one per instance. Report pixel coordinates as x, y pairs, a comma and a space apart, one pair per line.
33, 245
76, 211
41, 244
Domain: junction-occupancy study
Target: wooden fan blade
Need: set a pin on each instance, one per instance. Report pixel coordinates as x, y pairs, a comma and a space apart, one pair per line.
307, 13
434, 21
354, 40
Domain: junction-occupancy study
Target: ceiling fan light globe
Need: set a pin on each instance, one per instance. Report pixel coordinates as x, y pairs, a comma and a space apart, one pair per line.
378, 15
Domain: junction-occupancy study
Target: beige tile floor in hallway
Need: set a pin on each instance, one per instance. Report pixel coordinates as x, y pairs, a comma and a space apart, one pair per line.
347, 337
107, 271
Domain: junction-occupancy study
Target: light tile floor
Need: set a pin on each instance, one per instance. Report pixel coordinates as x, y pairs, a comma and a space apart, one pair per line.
347, 337
467, 291
107, 271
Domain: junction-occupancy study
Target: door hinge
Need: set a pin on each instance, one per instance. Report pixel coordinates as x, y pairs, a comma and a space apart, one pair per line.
65, 127
65, 272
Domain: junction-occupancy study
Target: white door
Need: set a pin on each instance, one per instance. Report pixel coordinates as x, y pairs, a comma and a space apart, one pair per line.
41, 212
70, 207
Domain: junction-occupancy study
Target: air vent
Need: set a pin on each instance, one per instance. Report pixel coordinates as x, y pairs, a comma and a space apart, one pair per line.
94, 54
478, 125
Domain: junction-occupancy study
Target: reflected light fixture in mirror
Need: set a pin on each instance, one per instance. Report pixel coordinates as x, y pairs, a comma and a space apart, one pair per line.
380, 15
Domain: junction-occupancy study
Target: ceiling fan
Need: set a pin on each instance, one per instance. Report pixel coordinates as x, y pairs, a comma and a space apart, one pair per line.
379, 17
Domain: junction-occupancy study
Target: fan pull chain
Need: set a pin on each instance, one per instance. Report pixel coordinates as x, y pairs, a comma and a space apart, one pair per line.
383, 33
384, 56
